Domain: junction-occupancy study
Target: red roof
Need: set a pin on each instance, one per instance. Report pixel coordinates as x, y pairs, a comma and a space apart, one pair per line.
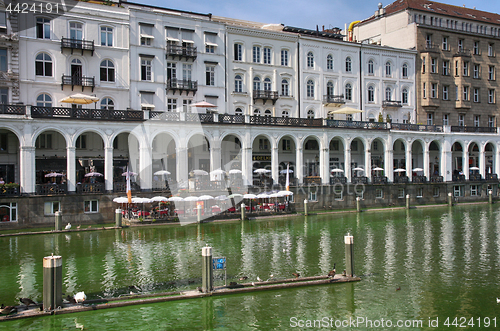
438, 8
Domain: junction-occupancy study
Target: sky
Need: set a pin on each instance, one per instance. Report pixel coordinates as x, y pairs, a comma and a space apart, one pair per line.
298, 13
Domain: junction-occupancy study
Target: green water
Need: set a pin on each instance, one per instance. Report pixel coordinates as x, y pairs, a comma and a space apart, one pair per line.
446, 262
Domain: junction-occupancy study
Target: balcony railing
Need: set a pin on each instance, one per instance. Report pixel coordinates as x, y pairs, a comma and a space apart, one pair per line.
189, 52
430, 47
391, 104
90, 188
419, 179
379, 180
458, 178
474, 129
182, 85
83, 45
202, 118
338, 180
489, 177
13, 109
265, 95
231, 119
417, 127
50, 189
292, 121
312, 180
463, 52
164, 115
356, 125
475, 177
8, 191
436, 179
400, 179
338, 99
359, 180
82, 81
86, 114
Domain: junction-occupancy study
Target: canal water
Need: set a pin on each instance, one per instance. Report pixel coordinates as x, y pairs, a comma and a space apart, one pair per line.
427, 266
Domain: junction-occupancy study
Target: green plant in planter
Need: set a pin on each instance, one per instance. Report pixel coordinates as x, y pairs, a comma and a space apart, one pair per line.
154, 220
11, 185
141, 219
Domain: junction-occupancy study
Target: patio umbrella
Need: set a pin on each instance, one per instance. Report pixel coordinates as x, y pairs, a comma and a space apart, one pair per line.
129, 173
285, 193
221, 197
159, 199
203, 104
235, 195
473, 168
93, 174
120, 200
217, 172
175, 199
284, 171
162, 172
378, 169
263, 196
418, 169
54, 174
198, 172
249, 196
337, 170
80, 98
192, 198
400, 170
206, 197
235, 171
358, 169
261, 171
345, 110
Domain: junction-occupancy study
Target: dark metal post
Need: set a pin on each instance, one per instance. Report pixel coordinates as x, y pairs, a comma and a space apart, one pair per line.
52, 282
349, 255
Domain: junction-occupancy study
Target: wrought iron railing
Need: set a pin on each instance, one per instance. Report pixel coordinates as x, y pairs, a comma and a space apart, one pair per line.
475, 177
474, 129
50, 189
463, 52
72, 43
338, 180
291, 121
458, 178
359, 180
179, 84
202, 118
436, 179
13, 109
312, 180
379, 180
231, 119
419, 179
8, 191
400, 179
356, 125
87, 114
90, 188
83, 81
264, 94
178, 50
491, 177
166, 116
391, 103
333, 98
417, 127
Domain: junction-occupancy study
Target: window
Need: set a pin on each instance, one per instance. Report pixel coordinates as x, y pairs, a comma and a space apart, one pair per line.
147, 101
430, 118
446, 119
238, 84
285, 114
107, 103
491, 96
461, 120
476, 94
371, 94
50, 208
476, 71
310, 88
460, 45
490, 50
210, 75
428, 40
256, 54
284, 57
310, 113
433, 90
379, 194
91, 206
238, 52
44, 141
404, 96
329, 88
433, 65
404, 70
348, 64
146, 68
267, 55
473, 190
457, 71
388, 69
3, 59
475, 48
476, 120
388, 94
42, 28
312, 196
446, 68
445, 92
238, 111
348, 92
310, 60
76, 30
458, 190
491, 121
329, 62
420, 192
210, 42
466, 68
256, 83
285, 88
171, 71
445, 43
44, 100
370, 68
107, 72
146, 34
338, 189
267, 84
424, 90
423, 64
286, 145
466, 93
456, 93
256, 112
43, 65
401, 193
171, 105
187, 71
186, 105
106, 36
491, 72
81, 142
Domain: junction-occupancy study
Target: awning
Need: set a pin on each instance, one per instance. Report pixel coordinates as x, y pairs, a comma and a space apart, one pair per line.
210, 44
188, 41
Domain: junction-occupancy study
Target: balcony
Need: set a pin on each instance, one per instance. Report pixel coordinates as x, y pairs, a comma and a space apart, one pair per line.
419, 179
164, 115
174, 84
474, 129
338, 180
462, 53
265, 95
430, 102
13, 109
430, 48
400, 179
458, 178
286, 121
436, 179
416, 127
379, 180
475, 177
359, 180
90, 188
82, 81
356, 125
87, 114
83, 45
462, 104
177, 51
391, 104
231, 119
50, 189
333, 100
491, 177
312, 180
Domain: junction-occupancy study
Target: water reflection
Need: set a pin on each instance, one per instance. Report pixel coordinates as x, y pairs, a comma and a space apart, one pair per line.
27, 278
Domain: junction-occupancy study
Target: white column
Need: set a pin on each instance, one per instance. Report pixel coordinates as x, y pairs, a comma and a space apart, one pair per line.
108, 168
389, 164
445, 166
408, 162
426, 162
215, 158
275, 164
145, 168
368, 161
27, 169
324, 165
497, 161
299, 167
71, 168
246, 165
465, 164
182, 165
482, 163
347, 163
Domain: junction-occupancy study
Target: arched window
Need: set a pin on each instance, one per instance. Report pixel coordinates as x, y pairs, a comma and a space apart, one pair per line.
238, 111
371, 94
268, 113
285, 88
405, 70
285, 113
238, 84
44, 100
348, 91
256, 112
370, 67
107, 103
107, 71
388, 94
348, 64
371, 118
329, 88
404, 96
267, 84
329, 62
43, 65
310, 113
310, 60
256, 83
310, 88
388, 69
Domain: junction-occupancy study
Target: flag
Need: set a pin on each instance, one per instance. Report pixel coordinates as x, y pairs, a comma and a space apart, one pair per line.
129, 190
287, 183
